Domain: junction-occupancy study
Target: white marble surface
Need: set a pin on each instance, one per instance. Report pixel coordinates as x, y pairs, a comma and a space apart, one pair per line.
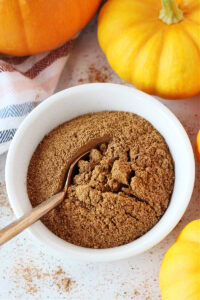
26, 272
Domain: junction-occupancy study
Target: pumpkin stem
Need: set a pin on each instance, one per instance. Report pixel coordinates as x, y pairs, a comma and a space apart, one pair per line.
170, 13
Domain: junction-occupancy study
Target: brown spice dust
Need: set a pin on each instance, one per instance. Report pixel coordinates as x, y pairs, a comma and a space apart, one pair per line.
34, 276
95, 74
119, 192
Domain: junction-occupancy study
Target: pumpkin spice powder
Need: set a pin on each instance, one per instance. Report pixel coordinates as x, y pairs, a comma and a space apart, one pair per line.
118, 193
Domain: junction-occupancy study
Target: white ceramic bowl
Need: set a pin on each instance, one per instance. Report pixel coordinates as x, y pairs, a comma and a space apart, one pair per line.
82, 99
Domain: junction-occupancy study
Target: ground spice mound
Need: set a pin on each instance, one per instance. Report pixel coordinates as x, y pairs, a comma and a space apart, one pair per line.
118, 192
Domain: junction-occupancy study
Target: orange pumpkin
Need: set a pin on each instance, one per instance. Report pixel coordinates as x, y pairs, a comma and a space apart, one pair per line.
34, 26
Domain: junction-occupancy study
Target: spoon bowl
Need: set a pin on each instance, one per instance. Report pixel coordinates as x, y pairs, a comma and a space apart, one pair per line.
40, 210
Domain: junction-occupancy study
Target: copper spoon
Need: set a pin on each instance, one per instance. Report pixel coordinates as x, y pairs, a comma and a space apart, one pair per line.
36, 213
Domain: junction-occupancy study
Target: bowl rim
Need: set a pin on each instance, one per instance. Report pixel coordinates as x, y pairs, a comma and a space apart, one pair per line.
62, 248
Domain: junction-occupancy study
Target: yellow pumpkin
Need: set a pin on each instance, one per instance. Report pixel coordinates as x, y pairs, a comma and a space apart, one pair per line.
33, 26
153, 44
198, 146
180, 269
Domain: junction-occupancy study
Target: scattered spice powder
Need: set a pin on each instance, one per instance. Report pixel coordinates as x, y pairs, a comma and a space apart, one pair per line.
5, 208
95, 74
66, 282
136, 293
3, 196
119, 192
32, 277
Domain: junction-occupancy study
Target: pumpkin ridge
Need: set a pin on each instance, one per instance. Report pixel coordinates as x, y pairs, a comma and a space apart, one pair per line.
185, 7
158, 62
22, 22
142, 46
132, 53
191, 39
148, 38
194, 6
192, 21
112, 40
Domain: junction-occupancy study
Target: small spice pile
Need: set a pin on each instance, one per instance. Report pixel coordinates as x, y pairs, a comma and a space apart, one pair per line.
119, 192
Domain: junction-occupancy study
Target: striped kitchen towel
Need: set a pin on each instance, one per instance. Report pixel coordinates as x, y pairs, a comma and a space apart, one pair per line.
25, 82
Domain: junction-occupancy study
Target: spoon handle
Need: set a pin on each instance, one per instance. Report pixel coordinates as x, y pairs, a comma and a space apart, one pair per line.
29, 218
